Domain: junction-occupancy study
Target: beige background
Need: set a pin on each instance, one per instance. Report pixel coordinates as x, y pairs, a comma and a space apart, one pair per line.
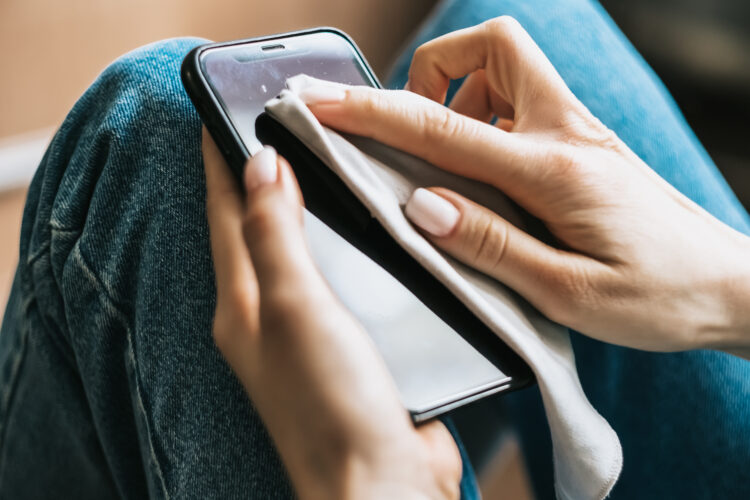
52, 50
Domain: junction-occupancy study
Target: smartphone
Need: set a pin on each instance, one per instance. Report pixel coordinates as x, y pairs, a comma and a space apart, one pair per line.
440, 355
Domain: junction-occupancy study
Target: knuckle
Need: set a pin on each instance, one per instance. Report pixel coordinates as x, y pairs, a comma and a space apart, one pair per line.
370, 104
236, 314
438, 123
503, 34
572, 295
374, 107
242, 302
502, 30
424, 69
489, 242
259, 220
422, 53
580, 128
502, 24
287, 306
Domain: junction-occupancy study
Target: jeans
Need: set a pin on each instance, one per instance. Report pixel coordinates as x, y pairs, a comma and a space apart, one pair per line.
110, 384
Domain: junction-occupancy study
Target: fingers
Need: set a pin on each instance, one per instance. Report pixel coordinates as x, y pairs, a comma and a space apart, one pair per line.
273, 228
445, 457
516, 69
487, 242
224, 209
411, 123
476, 99
257, 244
272, 222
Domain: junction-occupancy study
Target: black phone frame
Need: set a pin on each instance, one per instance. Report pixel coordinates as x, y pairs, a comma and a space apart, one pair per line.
331, 201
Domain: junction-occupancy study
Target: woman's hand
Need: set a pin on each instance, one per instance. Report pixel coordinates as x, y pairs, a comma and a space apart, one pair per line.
637, 263
311, 371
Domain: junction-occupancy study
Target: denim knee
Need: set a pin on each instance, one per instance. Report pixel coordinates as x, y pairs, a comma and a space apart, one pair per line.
127, 152
148, 80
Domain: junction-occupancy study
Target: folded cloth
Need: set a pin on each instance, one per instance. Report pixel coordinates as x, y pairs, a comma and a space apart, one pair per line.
587, 452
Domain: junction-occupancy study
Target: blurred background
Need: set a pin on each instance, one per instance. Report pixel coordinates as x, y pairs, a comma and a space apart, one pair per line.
53, 50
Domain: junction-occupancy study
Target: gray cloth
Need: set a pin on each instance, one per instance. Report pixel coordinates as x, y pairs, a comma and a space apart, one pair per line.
587, 452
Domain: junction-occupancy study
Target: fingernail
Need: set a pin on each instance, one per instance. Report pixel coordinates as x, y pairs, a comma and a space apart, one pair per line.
261, 169
321, 94
431, 212
313, 91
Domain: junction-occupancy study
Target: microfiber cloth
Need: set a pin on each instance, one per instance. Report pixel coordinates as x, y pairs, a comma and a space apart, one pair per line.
587, 452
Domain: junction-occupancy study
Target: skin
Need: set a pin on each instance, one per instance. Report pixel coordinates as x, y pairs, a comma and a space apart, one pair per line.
635, 262
311, 370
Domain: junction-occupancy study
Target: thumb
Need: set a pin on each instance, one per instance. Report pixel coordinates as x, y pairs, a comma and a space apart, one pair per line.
272, 222
478, 237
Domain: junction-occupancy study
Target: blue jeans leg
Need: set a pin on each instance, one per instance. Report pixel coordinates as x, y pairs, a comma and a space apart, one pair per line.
683, 419
110, 384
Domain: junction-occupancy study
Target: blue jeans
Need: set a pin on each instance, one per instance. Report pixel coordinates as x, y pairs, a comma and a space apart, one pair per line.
110, 384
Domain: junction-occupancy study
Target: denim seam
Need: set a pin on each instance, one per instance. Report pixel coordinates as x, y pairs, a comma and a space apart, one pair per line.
142, 410
45, 245
103, 295
36, 255
54, 226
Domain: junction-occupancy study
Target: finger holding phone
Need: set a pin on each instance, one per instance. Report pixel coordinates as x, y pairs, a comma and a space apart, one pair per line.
310, 369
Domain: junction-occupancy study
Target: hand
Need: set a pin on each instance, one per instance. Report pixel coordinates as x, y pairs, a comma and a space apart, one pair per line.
311, 371
637, 263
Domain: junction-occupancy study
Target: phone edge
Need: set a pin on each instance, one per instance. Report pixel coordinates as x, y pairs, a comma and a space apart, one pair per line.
218, 124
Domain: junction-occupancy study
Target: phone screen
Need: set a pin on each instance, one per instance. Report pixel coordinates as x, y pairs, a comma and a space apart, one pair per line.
245, 76
433, 366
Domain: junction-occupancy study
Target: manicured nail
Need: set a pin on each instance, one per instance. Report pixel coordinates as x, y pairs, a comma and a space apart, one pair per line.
313, 91
261, 169
432, 212
321, 94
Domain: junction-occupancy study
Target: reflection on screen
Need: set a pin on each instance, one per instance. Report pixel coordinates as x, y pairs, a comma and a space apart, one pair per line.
244, 77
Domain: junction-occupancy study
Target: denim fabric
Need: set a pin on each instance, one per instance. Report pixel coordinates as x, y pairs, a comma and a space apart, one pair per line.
683, 419
109, 381
111, 384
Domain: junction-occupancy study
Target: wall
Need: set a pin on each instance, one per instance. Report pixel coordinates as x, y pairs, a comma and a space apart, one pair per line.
53, 49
